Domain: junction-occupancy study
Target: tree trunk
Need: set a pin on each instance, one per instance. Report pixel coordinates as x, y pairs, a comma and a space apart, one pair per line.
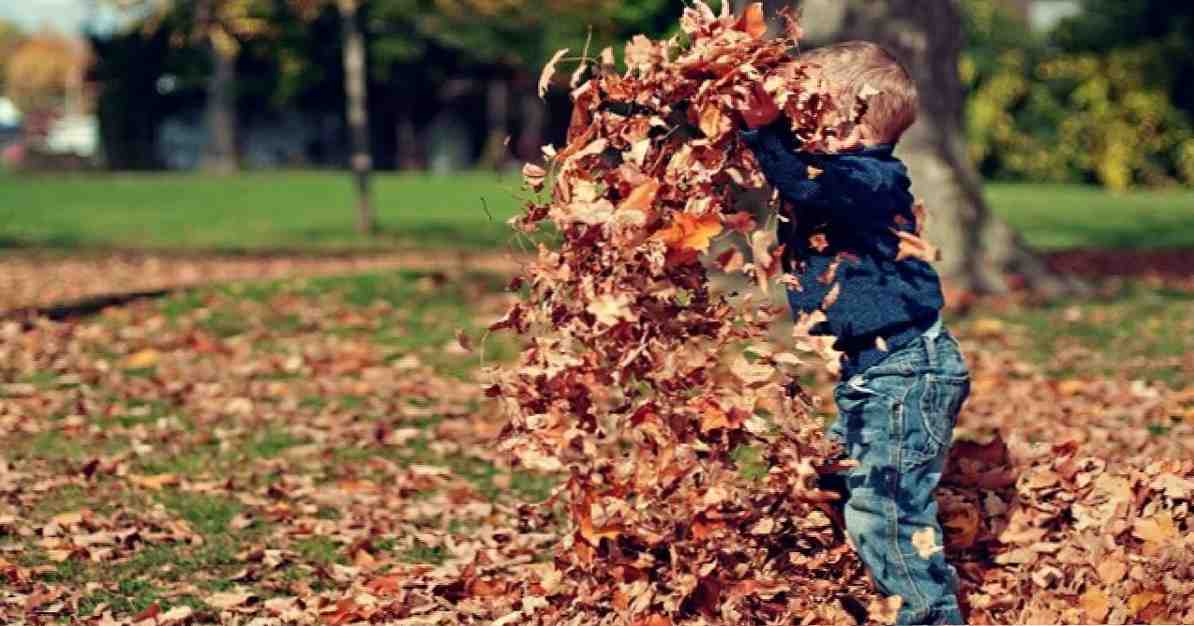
220, 154
980, 253
357, 112
497, 107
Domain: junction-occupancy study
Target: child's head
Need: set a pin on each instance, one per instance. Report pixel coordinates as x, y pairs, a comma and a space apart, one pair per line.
856, 68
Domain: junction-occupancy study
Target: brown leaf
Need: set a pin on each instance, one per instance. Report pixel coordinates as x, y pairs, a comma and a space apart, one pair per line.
913, 247
549, 71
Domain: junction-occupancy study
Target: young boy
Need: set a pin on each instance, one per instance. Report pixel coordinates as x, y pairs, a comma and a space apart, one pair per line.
903, 377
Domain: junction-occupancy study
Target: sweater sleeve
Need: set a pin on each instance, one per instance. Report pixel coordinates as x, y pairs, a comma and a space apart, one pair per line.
844, 187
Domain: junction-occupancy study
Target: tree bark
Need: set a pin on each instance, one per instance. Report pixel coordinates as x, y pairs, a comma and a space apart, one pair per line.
220, 153
980, 253
357, 112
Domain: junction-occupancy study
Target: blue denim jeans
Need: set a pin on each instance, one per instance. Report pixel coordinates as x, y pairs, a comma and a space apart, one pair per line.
896, 419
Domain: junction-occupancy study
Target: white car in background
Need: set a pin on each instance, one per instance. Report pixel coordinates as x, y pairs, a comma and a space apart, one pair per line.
74, 134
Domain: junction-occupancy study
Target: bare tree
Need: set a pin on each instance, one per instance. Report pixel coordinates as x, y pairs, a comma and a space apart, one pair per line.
357, 111
219, 154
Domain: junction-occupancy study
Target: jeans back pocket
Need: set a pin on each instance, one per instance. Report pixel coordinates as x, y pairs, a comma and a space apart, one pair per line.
939, 406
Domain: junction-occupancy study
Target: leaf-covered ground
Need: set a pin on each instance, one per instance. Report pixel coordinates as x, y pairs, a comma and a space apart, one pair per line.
294, 449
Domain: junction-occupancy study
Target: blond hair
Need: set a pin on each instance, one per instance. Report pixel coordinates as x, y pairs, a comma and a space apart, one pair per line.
855, 69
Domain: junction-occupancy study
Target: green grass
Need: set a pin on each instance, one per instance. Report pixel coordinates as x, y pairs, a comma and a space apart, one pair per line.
252, 212
315, 211
1073, 216
1136, 331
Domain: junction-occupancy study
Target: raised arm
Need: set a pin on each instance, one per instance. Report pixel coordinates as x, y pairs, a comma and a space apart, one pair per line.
784, 168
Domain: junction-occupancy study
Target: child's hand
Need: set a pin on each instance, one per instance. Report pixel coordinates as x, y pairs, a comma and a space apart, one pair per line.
760, 108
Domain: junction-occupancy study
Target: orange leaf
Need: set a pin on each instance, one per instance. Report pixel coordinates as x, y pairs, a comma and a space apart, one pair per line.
1156, 531
760, 109
753, 22
1096, 604
690, 232
640, 198
1140, 601
154, 482
142, 359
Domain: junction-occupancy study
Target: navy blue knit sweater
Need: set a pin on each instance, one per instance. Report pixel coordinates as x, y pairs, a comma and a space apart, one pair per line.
855, 202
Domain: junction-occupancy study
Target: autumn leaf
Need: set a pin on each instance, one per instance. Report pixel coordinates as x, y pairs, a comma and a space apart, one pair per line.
1156, 532
713, 122
1096, 604
753, 22
914, 247
549, 72
154, 482
534, 176
1139, 601
229, 599
759, 108
963, 526
142, 359
689, 232
641, 197
925, 542
610, 309
885, 610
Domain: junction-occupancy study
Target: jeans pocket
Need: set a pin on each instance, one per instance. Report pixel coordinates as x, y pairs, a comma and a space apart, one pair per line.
939, 406
930, 417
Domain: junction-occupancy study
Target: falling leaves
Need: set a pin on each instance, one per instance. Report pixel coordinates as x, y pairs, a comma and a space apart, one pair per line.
549, 72
691, 233
925, 542
634, 380
915, 247
753, 21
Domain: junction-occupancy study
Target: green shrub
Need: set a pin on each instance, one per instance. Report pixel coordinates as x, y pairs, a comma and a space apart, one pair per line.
1039, 113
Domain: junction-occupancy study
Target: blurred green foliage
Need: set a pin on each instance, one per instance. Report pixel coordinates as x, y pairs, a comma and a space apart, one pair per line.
1098, 99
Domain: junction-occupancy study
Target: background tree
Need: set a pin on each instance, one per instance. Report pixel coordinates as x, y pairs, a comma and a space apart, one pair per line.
45, 72
219, 27
10, 37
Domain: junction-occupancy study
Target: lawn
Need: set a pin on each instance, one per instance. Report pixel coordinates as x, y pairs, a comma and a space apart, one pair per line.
1070, 216
252, 212
315, 211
